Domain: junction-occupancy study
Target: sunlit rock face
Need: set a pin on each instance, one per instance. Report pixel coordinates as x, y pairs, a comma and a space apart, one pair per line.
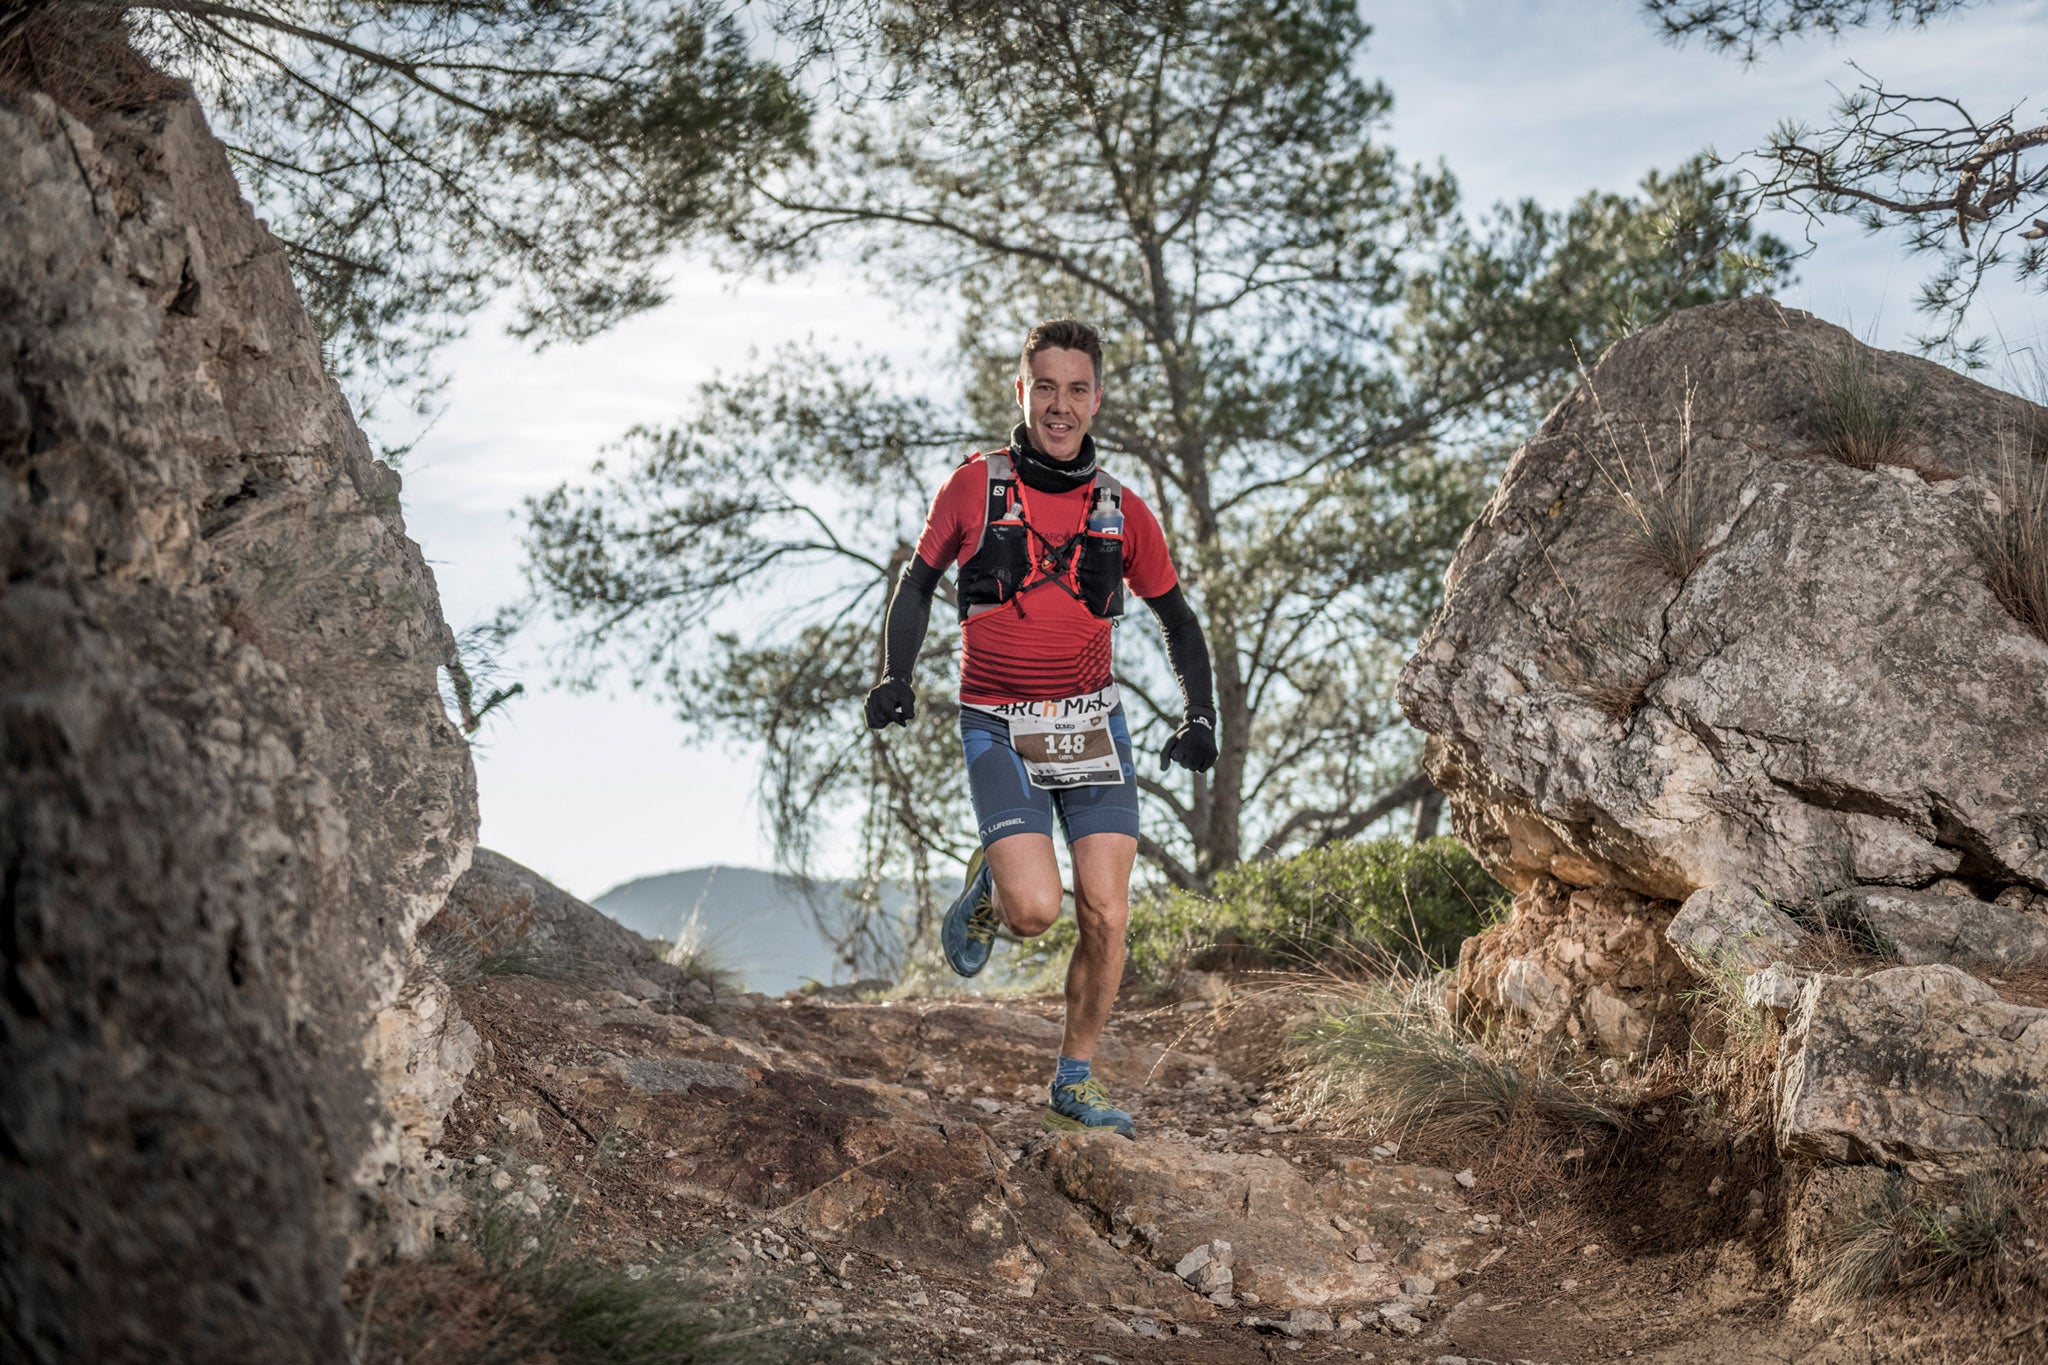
231, 793
1817, 715
1832, 696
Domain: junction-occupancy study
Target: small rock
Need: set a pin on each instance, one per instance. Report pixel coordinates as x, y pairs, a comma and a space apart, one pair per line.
988, 1106
1397, 1317
501, 1180
1363, 1253
1386, 1149
1222, 1298
1115, 1326
1249, 1299
1418, 1286
1568, 1286
1466, 1178
636, 1272
829, 1306
1301, 1322
1715, 1186
1181, 1329
1145, 1327
1342, 1224
1591, 1249
919, 1300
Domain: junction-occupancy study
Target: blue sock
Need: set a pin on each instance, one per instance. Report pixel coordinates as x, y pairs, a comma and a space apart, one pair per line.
1069, 1072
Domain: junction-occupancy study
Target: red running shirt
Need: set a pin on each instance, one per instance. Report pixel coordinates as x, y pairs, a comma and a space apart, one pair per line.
1054, 647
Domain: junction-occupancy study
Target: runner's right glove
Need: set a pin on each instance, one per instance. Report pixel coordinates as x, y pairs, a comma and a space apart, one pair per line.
1193, 746
890, 702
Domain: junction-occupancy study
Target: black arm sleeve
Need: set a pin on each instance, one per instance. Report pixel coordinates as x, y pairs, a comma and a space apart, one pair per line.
1186, 649
910, 614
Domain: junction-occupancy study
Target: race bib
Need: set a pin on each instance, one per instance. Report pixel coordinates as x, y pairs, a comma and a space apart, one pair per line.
1065, 743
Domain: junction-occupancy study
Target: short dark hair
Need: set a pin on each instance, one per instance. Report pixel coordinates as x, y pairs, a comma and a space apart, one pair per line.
1066, 334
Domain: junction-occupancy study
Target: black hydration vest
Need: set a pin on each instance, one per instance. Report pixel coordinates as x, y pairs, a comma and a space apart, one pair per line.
1010, 559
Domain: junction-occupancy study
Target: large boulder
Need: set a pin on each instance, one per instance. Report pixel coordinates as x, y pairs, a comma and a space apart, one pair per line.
231, 793
1695, 671
1832, 696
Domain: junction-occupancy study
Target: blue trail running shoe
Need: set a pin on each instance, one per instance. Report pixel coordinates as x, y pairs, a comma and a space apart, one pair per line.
968, 934
1084, 1105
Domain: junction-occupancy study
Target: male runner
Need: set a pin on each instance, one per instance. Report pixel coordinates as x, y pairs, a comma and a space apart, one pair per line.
1045, 543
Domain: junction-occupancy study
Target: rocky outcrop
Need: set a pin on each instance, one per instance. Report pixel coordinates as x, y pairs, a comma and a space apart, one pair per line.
1921, 927
231, 793
1590, 967
909, 1133
500, 908
1289, 1242
1831, 696
1917, 1066
1693, 666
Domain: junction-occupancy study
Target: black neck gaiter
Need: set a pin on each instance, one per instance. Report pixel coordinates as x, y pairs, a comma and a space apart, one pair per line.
1045, 474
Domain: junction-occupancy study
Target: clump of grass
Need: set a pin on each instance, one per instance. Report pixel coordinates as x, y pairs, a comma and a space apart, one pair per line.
1602, 665
2012, 531
1857, 422
1385, 1058
516, 1290
1910, 1237
1738, 1028
1665, 518
526, 958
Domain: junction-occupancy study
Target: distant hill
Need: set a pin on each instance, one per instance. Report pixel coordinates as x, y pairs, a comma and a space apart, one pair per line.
754, 923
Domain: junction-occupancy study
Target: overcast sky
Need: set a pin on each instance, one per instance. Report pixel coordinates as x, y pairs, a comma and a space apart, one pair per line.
1539, 98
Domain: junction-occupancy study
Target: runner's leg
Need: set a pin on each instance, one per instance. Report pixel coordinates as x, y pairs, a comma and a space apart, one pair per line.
1027, 875
1102, 899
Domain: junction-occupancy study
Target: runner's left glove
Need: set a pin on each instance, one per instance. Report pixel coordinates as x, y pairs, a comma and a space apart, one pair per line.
890, 702
1193, 746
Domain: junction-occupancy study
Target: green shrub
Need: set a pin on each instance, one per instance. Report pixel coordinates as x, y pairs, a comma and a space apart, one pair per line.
1365, 904
1356, 903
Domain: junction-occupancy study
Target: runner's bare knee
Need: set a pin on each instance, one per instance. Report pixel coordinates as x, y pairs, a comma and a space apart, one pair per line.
1031, 912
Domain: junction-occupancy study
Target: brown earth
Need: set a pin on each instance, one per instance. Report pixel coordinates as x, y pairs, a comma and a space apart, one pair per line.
847, 1181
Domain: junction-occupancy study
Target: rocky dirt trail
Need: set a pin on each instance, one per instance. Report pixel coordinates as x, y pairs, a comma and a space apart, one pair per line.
840, 1180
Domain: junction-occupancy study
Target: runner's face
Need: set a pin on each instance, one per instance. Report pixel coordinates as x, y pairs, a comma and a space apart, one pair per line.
1061, 401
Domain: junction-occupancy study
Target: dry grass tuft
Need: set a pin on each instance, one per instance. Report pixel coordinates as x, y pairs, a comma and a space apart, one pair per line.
515, 1290
79, 57
1605, 666
2012, 532
1857, 422
1666, 519
1384, 1059
1938, 1240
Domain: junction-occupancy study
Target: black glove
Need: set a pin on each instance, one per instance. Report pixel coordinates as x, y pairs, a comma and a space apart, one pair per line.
1193, 746
890, 702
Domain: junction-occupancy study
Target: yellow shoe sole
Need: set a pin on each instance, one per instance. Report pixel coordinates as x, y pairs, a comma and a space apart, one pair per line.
1053, 1121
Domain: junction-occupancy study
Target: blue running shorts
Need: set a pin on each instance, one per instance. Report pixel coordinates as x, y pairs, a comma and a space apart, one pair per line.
1006, 803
